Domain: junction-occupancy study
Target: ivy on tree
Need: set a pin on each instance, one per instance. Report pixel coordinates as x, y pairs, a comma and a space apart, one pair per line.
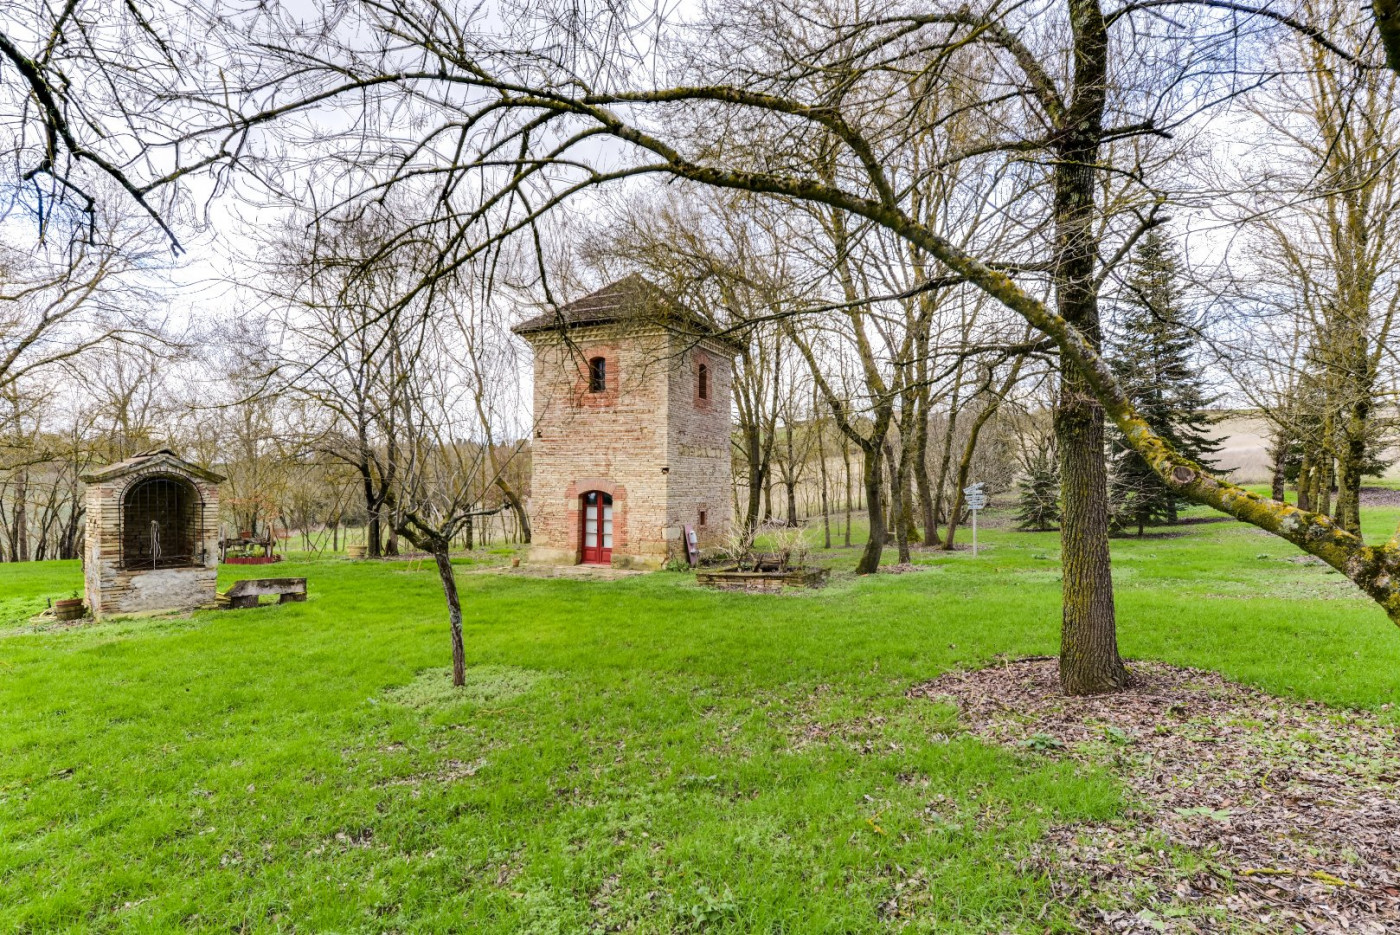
1152, 354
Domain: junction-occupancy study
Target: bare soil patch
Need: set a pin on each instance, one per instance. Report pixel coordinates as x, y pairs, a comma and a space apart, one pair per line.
903, 568
1252, 813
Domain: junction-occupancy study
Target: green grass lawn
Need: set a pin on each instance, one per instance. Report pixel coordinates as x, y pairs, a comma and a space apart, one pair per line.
637, 755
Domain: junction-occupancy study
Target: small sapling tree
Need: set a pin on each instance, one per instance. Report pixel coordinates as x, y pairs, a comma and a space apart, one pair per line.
448, 467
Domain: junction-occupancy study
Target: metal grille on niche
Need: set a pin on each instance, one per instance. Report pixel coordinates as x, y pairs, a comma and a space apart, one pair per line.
160, 520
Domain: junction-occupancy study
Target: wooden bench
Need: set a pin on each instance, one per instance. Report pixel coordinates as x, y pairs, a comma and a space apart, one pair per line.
246, 593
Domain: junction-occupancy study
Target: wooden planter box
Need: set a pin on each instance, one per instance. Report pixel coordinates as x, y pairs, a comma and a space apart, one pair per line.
733, 579
69, 609
252, 559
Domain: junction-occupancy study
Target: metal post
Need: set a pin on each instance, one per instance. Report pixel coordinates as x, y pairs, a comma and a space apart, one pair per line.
976, 500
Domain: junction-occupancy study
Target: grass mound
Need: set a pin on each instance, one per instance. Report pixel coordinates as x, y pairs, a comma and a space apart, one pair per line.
433, 688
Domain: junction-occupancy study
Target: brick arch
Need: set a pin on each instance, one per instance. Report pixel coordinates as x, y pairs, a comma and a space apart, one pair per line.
582, 485
194, 532
124, 485
575, 491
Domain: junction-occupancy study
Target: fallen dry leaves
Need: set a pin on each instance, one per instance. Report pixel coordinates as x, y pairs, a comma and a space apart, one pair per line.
1252, 813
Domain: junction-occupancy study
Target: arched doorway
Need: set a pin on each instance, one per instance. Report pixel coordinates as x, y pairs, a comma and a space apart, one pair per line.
160, 524
597, 528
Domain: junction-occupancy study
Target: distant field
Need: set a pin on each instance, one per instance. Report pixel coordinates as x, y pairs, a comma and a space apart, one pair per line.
1244, 451
634, 755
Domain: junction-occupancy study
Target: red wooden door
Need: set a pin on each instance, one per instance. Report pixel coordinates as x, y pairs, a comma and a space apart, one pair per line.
597, 528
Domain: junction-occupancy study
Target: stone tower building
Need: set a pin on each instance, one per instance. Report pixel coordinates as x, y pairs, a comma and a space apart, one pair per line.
152, 535
631, 435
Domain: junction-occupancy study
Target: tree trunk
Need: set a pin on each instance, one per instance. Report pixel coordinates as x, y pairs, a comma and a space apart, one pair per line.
1305, 472
790, 475
846, 458
372, 507
522, 518
1323, 497
1276, 488
919, 453
821, 464
870, 559
1350, 466
906, 496
372, 536
1089, 660
753, 453
860, 488
924, 486
454, 611
901, 536
68, 548
20, 548
958, 498
960, 479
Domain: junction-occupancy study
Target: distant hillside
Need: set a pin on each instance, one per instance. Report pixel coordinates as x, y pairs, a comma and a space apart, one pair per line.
1245, 435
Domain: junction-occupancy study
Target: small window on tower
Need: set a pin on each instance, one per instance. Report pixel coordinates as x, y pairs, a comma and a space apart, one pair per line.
702, 517
704, 387
598, 375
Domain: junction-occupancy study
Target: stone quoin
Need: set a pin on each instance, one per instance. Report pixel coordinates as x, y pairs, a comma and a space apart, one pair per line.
152, 535
631, 428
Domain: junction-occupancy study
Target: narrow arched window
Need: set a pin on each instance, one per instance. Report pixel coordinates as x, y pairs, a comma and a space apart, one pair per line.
598, 375
704, 381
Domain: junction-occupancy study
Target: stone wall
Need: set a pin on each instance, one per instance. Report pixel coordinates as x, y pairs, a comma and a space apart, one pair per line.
646, 440
700, 478
114, 589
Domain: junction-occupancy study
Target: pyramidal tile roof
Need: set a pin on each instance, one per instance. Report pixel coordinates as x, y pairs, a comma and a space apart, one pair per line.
633, 298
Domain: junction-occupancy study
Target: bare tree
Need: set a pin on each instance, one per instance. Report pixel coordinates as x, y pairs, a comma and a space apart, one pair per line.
819, 142
339, 347
790, 103
1327, 244
447, 454
62, 299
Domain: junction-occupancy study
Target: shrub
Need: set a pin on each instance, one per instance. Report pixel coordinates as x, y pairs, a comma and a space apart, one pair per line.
1039, 503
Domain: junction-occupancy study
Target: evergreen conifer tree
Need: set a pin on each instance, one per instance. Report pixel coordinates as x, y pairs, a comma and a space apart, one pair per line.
1039, 498
1152, 352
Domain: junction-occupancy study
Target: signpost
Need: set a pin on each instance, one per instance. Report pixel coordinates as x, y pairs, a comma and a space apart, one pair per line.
976, 500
